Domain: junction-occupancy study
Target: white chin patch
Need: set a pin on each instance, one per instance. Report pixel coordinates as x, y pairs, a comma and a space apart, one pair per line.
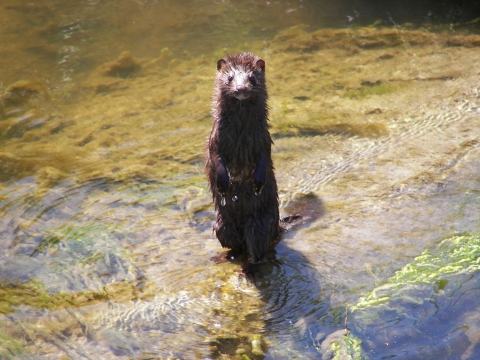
241, 96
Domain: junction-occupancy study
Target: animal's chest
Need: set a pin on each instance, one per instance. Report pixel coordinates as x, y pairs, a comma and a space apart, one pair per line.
241, 149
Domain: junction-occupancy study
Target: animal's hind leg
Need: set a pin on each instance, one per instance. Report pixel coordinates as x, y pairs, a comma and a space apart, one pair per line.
257, 236
227, 233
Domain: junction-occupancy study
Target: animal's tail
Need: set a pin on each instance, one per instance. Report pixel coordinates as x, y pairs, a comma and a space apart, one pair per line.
304, 208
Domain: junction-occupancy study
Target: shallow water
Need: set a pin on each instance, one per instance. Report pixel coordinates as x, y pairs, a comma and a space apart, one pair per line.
105, 216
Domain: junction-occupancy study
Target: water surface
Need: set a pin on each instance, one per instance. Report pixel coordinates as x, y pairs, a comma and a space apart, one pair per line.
105, 215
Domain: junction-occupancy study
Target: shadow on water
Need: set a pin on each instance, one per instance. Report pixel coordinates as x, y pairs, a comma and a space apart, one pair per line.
291, 301
291, 296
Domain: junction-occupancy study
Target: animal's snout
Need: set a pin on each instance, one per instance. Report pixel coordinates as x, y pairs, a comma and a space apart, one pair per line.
241, 88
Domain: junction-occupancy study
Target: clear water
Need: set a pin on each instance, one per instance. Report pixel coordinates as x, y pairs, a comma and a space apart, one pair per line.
105, 216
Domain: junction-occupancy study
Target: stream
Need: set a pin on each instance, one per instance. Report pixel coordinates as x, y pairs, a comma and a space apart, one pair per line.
106, 217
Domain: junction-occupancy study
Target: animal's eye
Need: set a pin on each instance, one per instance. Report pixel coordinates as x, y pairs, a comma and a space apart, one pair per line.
252, 80
230, 78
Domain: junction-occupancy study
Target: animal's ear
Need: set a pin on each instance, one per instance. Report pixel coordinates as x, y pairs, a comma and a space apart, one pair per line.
221, 64
260, 64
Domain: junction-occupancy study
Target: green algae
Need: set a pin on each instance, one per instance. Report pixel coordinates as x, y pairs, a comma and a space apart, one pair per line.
323, 126
456, 255
453, 256
348, 347
172, 104
10, 348
84, 234
34, 294
374, 89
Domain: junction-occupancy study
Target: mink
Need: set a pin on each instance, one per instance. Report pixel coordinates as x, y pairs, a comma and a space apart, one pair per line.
238, 159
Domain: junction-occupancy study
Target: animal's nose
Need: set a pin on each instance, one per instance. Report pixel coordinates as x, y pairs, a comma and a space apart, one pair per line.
241, 88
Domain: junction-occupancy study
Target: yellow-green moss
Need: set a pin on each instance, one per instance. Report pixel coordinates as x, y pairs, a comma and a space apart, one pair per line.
381, 89
34, 294
456, 255
348, 347
10, 348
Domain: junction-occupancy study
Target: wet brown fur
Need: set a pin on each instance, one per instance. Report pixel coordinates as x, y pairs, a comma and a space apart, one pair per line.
238, 158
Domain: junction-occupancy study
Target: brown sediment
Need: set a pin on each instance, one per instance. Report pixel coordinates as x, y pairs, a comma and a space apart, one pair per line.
156, 120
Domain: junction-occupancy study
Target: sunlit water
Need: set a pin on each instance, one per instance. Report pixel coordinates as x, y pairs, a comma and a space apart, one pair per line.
105, 217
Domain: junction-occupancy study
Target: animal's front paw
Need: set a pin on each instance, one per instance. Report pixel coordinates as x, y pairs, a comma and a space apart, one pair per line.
222, 188
258, 186
223, 178
260, 174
